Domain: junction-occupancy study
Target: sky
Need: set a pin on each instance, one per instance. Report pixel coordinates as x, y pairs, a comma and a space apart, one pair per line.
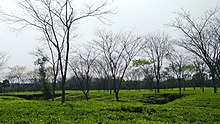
141, 16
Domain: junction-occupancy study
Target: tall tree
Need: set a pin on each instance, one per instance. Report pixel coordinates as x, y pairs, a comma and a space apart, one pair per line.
57, 19
201, 37
156, 46
118, 50
82, 67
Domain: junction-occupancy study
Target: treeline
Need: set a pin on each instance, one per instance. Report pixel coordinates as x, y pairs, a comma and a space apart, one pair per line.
100, 84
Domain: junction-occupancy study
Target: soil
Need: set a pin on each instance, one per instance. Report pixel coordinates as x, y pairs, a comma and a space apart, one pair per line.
160, 98
32, 96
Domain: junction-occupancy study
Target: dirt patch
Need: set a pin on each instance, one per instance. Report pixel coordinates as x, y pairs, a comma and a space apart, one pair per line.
160, 98
32, 96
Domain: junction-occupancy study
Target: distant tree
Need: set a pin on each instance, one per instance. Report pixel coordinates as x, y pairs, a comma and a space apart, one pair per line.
156, 46
17, 74
118, 50
147, 69
189, 71
132, 76
177, 64
200, 68
57, 19
1, 87
82, 67
168, 77
5, 84
102, 72
32, 76
33, 79
202, 38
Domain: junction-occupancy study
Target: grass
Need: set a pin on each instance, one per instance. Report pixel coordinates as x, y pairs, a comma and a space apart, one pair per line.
134, 107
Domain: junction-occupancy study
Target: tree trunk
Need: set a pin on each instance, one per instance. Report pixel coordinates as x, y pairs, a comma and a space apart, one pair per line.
172, 83
63, 91
183, 83
87, 97
110, 87
201, 81
214, 80
179, 81
203, 90
158, 87
214, 84
53, 90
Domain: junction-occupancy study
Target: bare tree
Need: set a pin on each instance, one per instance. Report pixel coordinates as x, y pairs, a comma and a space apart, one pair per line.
156, 46
200, 68
118, 51
32, 76
102, 72
201, 37
3, 60
82, 67
57, 19
168, 77
17, 74
54, 61
177, 63
132, 76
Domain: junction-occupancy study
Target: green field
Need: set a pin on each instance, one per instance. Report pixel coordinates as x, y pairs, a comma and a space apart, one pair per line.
134, 107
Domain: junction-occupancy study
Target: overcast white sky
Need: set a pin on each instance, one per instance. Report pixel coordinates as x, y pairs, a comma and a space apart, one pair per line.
143, 16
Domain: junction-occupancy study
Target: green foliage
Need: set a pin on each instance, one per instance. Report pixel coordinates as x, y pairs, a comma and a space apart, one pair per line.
141, 62
194, 107
5, 83
188, 67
